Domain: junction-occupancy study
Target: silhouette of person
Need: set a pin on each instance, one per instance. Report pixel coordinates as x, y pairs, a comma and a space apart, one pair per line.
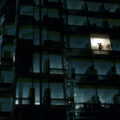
100, 46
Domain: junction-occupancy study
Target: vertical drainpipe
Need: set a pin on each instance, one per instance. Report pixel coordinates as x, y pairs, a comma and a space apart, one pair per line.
32, 44
15, 64
16, 42
63, 65
40, 40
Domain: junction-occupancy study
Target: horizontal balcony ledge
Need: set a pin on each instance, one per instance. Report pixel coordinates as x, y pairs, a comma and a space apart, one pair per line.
94, 14
85, 29
115, 30
104, 1
92, 79
79, 52
39, 75
58, 50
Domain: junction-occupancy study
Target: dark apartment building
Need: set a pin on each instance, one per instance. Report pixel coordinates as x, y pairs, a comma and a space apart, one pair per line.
59, 59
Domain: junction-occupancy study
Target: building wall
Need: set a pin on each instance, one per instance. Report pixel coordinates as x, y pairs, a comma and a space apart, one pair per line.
48, 58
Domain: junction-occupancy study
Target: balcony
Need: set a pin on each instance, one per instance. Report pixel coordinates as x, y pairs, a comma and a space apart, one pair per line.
105, 1
54, 75
97, 111
89, 53
76, 29
105, 29
85, 29
88, 79
77, 52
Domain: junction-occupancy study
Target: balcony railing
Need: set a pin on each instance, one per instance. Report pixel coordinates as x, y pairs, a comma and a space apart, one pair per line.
81, 52
56, 71
104, 1
95, 79
96, 111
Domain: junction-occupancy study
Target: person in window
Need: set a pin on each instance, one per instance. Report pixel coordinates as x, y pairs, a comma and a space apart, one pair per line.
100, 46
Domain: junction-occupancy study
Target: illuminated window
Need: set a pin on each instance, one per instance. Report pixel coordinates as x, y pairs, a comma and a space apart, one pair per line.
100, 42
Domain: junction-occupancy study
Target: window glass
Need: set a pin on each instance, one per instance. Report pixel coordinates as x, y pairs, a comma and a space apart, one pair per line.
83, 94
81, 65
53, 13
26, 10
93, 6
36, 63
103, 67
111, 7
114, 23
75, 4
95, 22
107, 95
115, 44
79, 41
56, 93
77, 20
26, 32
100, 42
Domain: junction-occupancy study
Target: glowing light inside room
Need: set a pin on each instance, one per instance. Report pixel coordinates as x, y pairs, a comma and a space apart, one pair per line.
100, 42
95, 41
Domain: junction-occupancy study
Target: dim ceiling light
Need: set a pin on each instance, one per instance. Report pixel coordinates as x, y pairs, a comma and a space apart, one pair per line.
95, 41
